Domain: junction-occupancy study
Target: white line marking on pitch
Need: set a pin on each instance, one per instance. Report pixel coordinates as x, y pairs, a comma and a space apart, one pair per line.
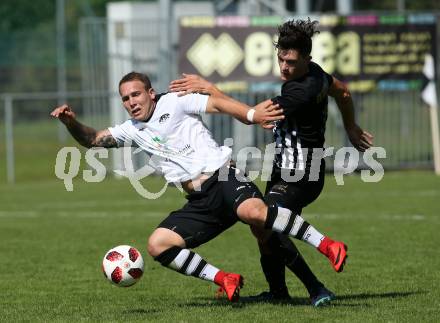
82, 214
122, 214
335, 216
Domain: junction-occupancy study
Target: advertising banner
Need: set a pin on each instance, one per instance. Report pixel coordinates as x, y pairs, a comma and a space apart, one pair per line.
368, 52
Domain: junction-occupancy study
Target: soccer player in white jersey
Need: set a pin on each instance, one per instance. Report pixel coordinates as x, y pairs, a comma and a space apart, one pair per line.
169, 129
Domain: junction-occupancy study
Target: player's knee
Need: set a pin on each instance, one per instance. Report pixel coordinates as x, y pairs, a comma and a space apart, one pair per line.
253, 211
156, 245
153, 247
163, 239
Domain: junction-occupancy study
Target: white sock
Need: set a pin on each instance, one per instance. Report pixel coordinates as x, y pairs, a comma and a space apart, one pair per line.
312, 236
209, 272
284, 221
190, 263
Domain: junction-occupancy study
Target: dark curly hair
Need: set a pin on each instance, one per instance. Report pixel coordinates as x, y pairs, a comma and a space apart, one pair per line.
297, 35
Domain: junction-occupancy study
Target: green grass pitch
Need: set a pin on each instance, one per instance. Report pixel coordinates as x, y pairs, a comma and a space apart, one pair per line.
52, 243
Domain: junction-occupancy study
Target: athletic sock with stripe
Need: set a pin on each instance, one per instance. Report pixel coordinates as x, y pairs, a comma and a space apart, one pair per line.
187, 263
282, 220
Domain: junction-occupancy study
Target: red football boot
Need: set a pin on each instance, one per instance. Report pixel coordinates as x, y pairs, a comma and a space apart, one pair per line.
229, 283
335, 251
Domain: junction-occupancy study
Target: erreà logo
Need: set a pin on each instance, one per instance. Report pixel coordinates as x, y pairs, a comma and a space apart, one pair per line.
164, 117
207, 54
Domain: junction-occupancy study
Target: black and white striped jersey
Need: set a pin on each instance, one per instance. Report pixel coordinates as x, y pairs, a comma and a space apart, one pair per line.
304, 101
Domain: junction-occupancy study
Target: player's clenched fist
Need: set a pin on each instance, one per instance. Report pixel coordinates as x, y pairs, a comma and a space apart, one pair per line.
64, 113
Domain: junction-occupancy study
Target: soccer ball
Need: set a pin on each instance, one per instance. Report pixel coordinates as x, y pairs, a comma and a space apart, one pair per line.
123, 265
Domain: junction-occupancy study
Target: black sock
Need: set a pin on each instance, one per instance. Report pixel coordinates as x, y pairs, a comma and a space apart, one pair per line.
274, 270
285, 253
187, 263
296, 263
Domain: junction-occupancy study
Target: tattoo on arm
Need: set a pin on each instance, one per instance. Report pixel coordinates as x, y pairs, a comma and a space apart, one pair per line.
106, 141
89, 137
81, 133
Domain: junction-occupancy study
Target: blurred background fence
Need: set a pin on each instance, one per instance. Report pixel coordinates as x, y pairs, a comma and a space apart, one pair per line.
32, 139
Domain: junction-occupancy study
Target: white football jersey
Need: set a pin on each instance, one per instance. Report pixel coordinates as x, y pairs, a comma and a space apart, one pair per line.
175, 138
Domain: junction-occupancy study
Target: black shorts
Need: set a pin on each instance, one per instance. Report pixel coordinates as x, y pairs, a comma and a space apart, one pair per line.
293, 195
211, 210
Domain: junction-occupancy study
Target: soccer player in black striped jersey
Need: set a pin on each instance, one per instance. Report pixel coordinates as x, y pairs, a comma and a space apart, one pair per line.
298, 170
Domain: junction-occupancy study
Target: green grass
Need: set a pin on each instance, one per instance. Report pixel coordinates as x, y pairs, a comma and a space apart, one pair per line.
53, 241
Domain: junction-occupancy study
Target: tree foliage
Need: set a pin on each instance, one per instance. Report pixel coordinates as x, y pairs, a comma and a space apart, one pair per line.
24, 14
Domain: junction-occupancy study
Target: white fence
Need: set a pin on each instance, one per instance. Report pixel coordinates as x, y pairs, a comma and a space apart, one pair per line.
32, 138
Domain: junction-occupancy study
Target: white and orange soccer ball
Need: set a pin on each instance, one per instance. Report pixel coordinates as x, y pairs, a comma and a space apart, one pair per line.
123, 265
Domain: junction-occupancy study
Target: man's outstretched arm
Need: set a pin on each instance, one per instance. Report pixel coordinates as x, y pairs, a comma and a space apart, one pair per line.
85, 136
264, 113
360, 138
